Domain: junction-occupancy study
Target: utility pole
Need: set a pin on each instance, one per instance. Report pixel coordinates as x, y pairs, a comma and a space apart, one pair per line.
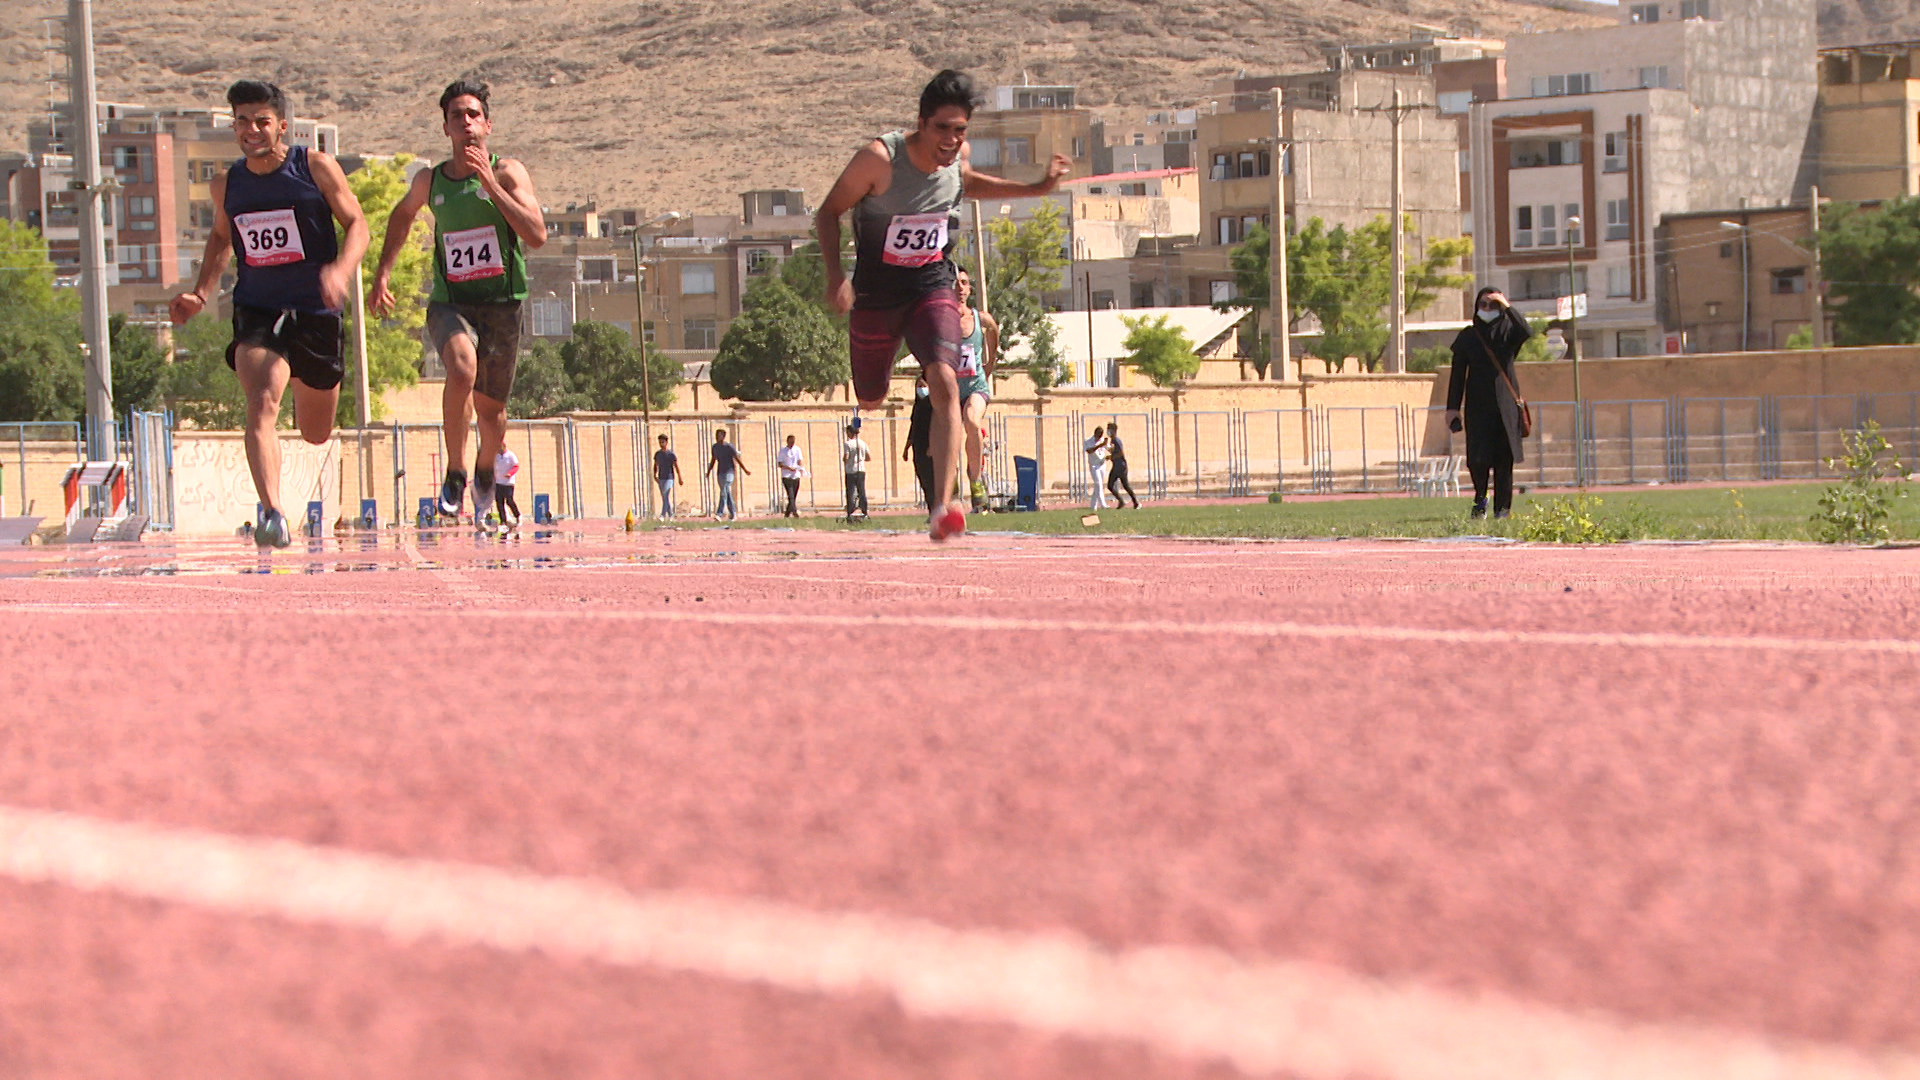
646, 380
1088, 277
102, 445
1279, 306
979, 258
1397, 319
1816, 286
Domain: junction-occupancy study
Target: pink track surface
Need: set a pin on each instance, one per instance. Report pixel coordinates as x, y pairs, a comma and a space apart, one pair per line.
1646, 828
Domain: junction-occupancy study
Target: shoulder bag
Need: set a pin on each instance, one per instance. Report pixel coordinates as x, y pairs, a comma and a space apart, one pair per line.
1520, 403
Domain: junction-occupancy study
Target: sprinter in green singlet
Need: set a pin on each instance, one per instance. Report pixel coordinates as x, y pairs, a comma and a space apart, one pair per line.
484, 213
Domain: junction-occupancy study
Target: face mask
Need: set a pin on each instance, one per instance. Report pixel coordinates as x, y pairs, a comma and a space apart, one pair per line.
1489, 316
920, 391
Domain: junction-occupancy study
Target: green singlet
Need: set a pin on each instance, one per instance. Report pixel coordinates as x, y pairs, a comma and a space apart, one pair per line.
476, 256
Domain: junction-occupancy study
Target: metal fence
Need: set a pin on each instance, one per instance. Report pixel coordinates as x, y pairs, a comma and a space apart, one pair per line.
34, 457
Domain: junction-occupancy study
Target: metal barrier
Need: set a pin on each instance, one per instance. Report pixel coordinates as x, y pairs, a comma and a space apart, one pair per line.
150, 446
34, 457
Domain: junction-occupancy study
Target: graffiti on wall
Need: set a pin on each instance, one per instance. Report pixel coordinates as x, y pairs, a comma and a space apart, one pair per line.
213, 488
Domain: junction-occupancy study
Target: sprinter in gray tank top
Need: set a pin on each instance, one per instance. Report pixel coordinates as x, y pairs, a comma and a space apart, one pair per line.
904, 190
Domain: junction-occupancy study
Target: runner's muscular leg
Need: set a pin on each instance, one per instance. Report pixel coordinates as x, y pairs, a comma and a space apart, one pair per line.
314, 411
490, 417
943, 392
461, 361
976, 416
263, 378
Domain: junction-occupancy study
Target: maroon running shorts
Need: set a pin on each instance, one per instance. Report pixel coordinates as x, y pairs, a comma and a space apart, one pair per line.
929, 325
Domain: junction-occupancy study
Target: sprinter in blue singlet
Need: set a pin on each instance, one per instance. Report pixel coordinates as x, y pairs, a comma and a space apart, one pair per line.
277, 207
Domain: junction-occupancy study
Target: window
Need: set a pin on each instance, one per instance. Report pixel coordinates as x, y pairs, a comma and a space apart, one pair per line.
1549, 236
1138, 190
1619, 225
1789, 282
1103, 300
1619, 281
1631, 343
596, 270
547, 317
1180, 136
1139, 138
1653, 78
696, 279
1079, 146
1615, 146
985, 151
1222, 167
140, 205
1644, 13
1466, 161
200, 215
1019, 150
1249, 164
1221, 291
1455, 101
576, 228
144, 225
1227, 227
1543, 153
1544, 284
126, 157
1142, 294
646, 331
759, 261
1562, 85
700, 334
1523, 226
1696, 9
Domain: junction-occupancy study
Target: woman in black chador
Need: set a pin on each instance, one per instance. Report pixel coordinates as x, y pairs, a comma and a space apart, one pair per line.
1482, 393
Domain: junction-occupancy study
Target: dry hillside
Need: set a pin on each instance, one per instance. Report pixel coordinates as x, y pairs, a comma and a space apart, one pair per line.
678, 105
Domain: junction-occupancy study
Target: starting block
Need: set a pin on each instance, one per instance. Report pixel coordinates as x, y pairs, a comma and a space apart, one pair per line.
428, 515
542, 510
107, 481
369, 513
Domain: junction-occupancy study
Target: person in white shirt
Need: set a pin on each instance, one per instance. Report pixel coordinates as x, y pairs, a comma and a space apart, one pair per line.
854, 456
1096, 448
793, 466
506, 466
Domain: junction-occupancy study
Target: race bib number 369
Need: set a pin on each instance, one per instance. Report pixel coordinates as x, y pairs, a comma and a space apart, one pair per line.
473, 254
916, 239
268, 238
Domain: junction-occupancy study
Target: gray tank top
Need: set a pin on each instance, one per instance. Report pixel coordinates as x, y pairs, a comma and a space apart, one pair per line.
902, 236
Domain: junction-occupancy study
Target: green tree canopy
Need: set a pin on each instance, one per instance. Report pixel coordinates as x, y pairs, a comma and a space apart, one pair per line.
393, 342
781, 346
540, 384
604, 369
41, 371
1161, 352
1871, 260
201, 389
139, 367
1024, 260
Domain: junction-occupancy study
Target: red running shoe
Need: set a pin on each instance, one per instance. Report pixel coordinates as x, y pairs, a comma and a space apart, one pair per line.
946, 523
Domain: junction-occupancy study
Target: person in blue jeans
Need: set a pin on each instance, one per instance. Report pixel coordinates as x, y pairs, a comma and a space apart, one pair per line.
666, 472
721, 465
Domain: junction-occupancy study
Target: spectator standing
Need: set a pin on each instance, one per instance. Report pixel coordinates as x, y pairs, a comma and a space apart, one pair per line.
1096, 448
666, 473
506, 466
1117, 468
1484, 399
793, 466
854, 456
920, 441
721, 463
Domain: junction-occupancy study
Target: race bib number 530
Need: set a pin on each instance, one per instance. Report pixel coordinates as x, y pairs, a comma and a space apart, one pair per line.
268, 238
916, 239
473, 254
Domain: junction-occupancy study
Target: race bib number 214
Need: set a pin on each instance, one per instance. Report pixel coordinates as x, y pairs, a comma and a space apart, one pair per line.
473, 254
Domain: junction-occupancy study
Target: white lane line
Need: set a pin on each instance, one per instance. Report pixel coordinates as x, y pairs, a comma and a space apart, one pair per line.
989, 624
1262, 1016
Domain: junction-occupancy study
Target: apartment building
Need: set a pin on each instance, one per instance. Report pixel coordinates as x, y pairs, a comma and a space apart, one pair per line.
1133, 140
1870, 121
1684, 105
1733, 280
1023, 127
1336, 158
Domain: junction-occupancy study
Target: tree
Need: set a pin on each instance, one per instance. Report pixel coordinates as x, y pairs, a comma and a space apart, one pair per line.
604, 368
1161, 352
199, 387
393, 342
1872, 261
540, 384
139, 367
1345, 280
781, 346
1252, 262
42, 376
1024, 262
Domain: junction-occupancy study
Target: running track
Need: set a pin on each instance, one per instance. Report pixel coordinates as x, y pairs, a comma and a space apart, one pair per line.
763, 804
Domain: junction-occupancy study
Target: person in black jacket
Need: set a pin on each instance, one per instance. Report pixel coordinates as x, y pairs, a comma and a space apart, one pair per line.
1482, 397
920, 440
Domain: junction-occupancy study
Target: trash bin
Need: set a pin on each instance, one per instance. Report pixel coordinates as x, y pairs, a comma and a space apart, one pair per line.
1026, 483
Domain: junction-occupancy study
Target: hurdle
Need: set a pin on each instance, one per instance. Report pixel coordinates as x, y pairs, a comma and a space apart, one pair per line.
105, 485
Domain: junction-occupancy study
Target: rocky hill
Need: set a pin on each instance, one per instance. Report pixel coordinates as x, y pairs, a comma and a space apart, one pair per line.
678, 105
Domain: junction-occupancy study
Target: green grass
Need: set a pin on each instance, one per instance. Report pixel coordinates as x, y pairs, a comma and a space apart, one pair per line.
1771, 512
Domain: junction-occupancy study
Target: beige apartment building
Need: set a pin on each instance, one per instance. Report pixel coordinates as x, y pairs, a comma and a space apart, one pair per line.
1736, 280
1023, 127
1870, 122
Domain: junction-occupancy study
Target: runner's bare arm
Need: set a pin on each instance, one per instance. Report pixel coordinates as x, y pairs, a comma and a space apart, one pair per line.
336, 278
212, 264
978, 185
399, 227
866, 174
991, 335
512, 191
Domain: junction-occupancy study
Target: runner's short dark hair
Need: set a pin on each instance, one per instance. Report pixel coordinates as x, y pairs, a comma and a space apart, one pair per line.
950, 87
464, 88
252, 92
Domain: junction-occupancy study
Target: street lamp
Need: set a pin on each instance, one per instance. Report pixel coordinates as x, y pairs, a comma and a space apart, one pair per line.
1746, 278
1818, 326
646, 365
1573, 351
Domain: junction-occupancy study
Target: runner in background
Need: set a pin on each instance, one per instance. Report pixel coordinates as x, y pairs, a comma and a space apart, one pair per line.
484, 214
979, 356
506, 466
278, 205
904, 189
